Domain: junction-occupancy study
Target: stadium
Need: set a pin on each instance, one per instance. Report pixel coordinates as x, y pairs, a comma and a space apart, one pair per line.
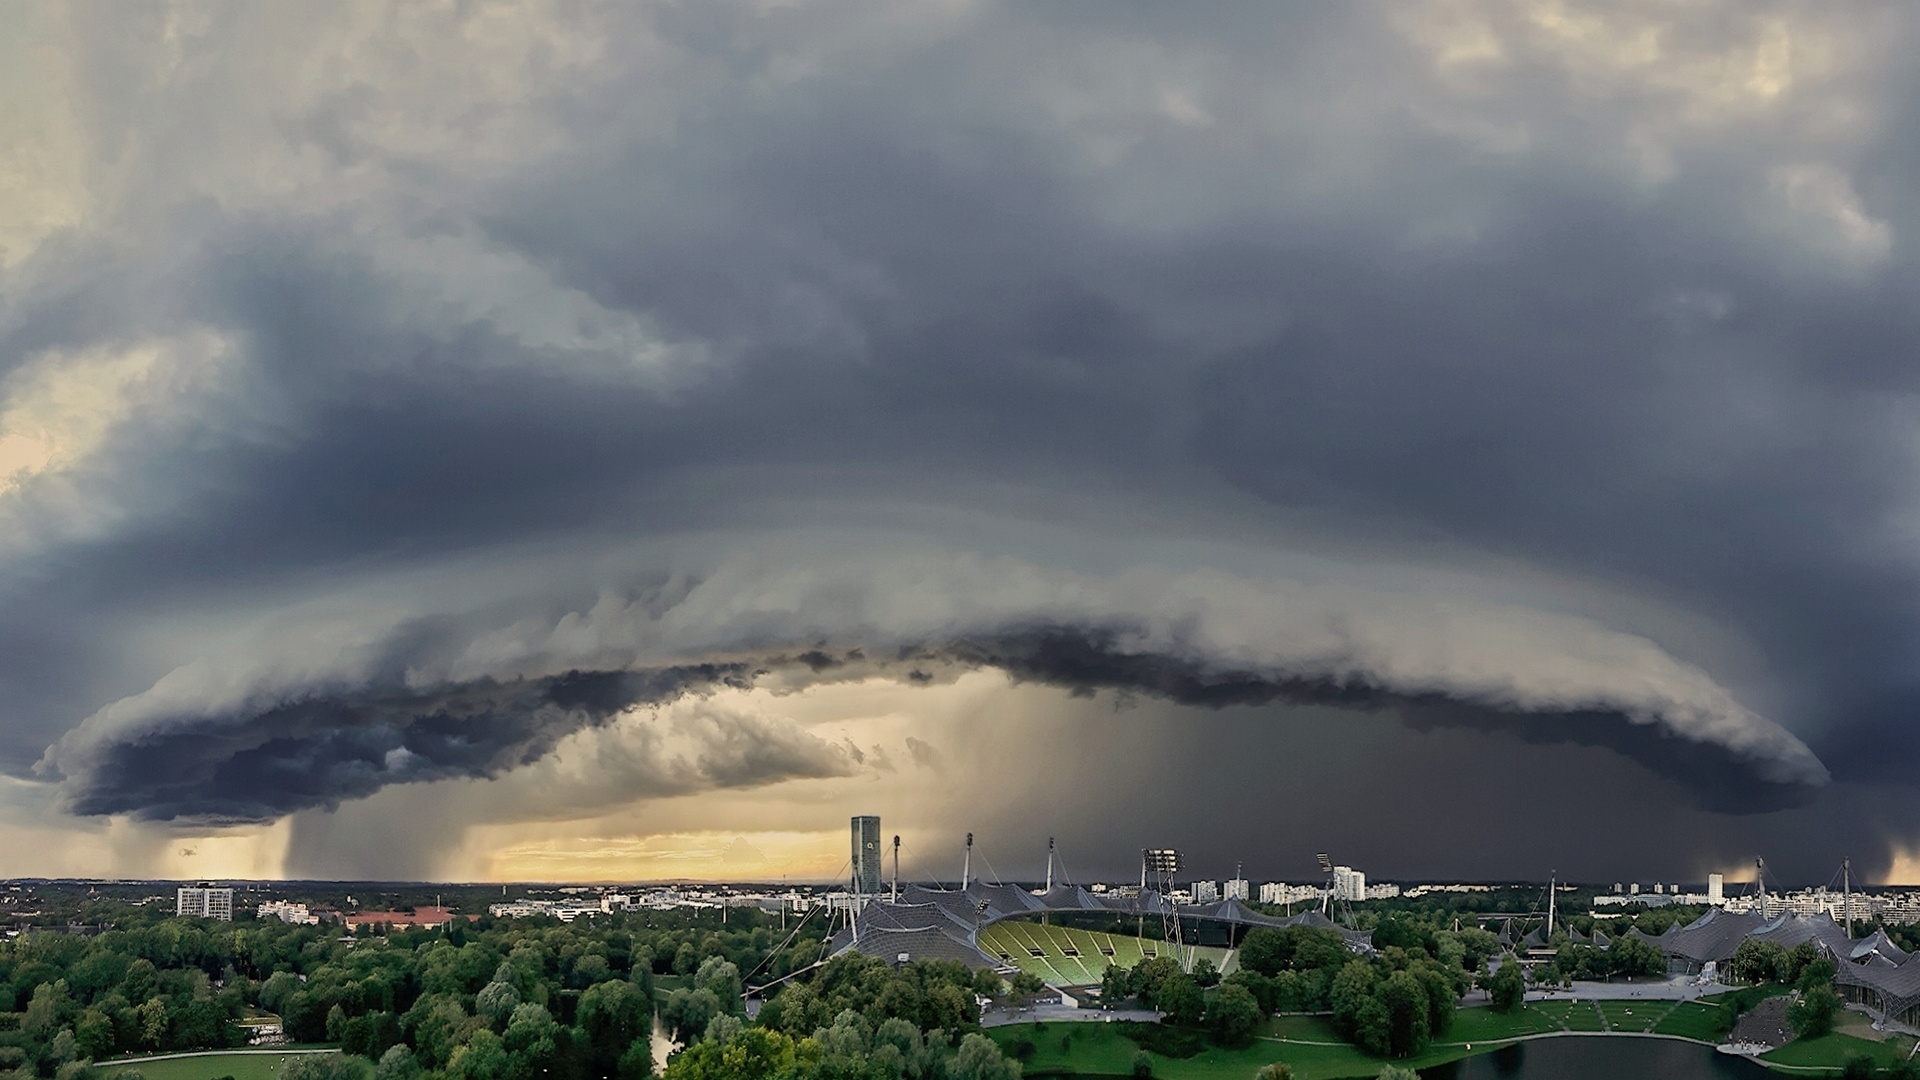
1063, 934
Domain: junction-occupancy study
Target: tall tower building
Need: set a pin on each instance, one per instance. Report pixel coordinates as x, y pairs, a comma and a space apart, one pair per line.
866, 855
1716, 889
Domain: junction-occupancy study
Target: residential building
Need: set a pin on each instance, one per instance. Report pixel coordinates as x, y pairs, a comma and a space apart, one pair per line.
205, 903
866, 855
1349, 884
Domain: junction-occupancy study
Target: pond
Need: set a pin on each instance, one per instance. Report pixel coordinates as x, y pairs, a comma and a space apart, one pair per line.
1603, 1058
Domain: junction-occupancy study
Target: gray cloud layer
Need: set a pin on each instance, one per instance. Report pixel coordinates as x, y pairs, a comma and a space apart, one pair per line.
1613, 310
448, 698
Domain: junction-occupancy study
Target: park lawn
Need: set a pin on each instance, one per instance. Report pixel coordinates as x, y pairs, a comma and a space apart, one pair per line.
238, 1066
1308, 1028
1102, 1049
1584, 1017
1554, 1012
1481, 1024
1694, 1020
1068, 1047
1833, 1051
1631, 1015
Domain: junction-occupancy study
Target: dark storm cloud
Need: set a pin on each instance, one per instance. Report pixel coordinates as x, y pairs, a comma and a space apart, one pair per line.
638, 275
316, 752
474, 696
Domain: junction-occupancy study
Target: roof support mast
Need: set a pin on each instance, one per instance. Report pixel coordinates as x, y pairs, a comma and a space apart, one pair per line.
1049, 864
1552, 880
896, 868
966, 868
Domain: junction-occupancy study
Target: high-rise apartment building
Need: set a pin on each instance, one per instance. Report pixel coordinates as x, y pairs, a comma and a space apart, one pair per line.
1716, 889
204, 903
1237, 890
866, 855
1349, 884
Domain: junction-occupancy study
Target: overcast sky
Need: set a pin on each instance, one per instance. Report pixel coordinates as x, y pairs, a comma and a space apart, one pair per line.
503, 441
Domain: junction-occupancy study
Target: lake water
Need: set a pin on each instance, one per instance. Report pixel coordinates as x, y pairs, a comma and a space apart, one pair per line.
1599, 1059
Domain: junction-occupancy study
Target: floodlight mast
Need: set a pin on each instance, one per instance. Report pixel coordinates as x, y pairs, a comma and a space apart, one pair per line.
1164, 863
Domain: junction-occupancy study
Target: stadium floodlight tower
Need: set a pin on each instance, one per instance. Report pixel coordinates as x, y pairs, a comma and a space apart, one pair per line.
1326, 900
1159, 865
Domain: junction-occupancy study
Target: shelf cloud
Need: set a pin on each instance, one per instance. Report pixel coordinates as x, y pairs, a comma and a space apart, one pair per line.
457, 700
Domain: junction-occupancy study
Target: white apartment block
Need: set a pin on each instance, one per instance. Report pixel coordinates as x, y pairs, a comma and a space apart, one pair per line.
297, 914
1237, 890
1206, 892
205, 903
1349, 884
1279, 892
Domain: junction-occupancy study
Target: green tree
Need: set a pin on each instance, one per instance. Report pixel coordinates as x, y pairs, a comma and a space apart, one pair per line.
686, 959
720, 976
1205, 975
1405, 1000
1278, 1070
1023, 987
398, 1063
980, 1059
1147, 975
1506, 989
49, 1008
1352, 987
496, 1002
688, 1012
94, 1032
336, 1023
319, 1067
63, 1048
1811, 1016
1143, 1065
755, 1054
1180, 1000
483, 1058
1395, 1072
1758, 961
1113, 986
1233, 1014
1632, 956
612, 1015
152, 1020
1373, 1028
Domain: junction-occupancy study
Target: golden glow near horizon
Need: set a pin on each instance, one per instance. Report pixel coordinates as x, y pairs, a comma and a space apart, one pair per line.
699, 856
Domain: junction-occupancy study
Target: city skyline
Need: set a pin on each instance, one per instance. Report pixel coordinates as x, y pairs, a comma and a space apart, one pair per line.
605, 441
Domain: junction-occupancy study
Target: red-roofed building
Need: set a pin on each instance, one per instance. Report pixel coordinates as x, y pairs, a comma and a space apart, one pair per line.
425, 917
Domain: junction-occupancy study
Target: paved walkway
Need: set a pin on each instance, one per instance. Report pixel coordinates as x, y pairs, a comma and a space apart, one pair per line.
213, 1053
1050, 1013
1680, 989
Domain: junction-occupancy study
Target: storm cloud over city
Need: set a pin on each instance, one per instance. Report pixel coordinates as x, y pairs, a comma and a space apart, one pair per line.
619, 441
